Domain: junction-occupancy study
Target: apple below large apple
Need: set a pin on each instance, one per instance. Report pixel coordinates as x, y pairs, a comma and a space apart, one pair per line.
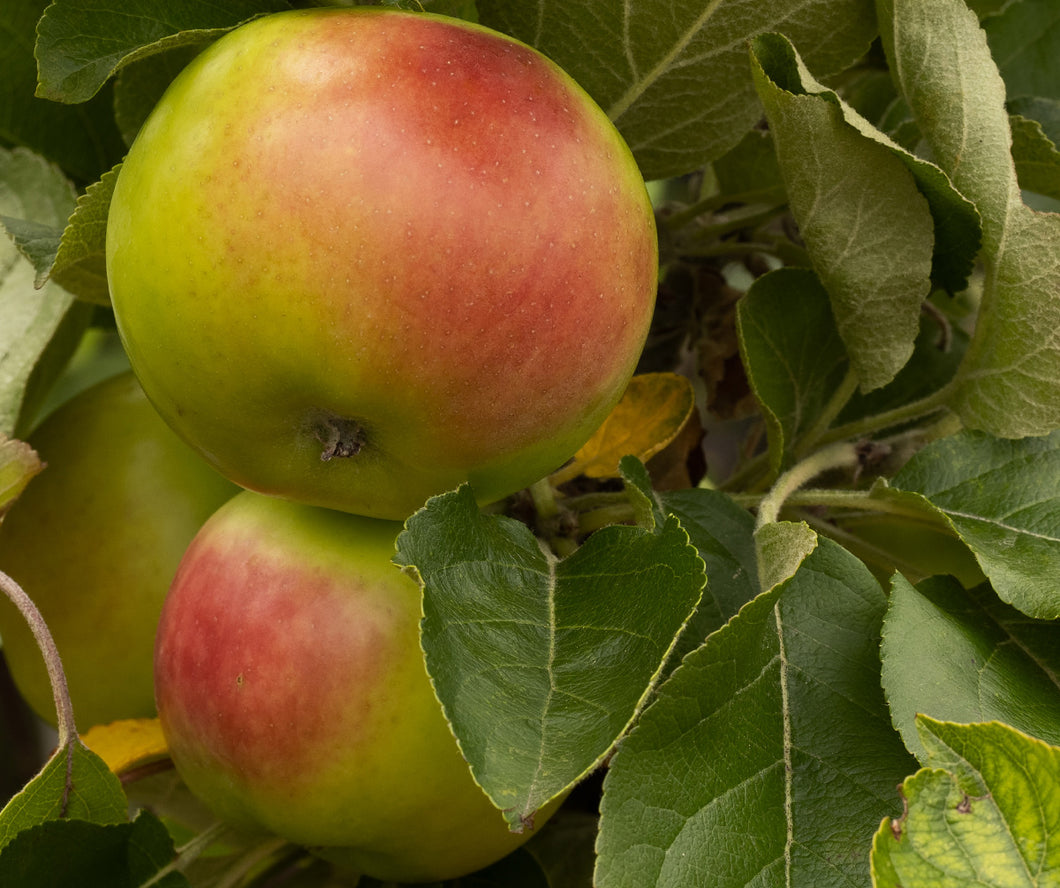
361, 256
95, 540
294, 698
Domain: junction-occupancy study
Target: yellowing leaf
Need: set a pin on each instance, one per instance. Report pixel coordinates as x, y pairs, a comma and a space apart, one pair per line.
18, 464
126, 744
650, 415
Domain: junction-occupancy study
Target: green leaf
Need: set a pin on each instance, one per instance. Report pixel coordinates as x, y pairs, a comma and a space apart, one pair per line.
75, 783
39, 329
1003, 500
1045, 111
723, 534
781, 547
92, 855
989, 820
566, 848
84, 141
1025, 40
540, 664
1037, 157
79, 45
1007, 382
963, 656
792, 354
720, 783
80, 265
672, 74
937, 354
859, 209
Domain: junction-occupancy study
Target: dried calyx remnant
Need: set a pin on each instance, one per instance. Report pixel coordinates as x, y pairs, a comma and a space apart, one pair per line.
342, 437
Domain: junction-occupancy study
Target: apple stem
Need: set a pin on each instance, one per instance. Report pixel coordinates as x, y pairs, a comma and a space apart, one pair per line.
64, 708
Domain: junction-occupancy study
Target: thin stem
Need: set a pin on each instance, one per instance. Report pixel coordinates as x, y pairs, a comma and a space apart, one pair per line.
64, 709
189, 852
597, 518
249, 861
840, 455
865, 426
544, 496
715, 201
840, 398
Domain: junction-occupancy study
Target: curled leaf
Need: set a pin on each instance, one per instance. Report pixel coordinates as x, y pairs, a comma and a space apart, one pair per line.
651, 414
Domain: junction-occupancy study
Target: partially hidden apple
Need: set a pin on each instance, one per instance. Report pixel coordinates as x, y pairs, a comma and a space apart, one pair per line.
361, 256
95, 540
294, 698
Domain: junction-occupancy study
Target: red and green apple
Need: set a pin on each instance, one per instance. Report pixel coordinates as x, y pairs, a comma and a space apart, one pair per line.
361, 256
294, 698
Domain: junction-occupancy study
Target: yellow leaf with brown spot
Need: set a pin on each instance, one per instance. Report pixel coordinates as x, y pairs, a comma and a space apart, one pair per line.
127, 744
651, 414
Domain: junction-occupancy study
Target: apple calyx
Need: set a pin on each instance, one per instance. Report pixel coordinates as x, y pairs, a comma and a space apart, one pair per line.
342, 437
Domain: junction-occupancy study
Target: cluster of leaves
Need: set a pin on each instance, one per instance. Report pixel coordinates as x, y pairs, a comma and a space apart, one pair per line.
861, 278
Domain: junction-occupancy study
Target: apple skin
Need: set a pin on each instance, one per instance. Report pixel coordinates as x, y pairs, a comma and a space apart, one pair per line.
396, 233
294, 698
95, 540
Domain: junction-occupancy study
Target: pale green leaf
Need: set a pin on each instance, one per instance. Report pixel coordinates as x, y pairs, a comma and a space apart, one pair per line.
781, 547
39, 329
1002, 498
962, 655
720, 782
1037, 157
985, 814
858, 208
80, 45
542, 664
673, 74
1007, 383
792, 354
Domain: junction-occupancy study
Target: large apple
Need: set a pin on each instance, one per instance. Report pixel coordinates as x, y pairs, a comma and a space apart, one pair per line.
95, 540
361, 256
293, 695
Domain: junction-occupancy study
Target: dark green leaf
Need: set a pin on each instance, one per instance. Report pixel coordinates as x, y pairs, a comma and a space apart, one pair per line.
723, 534
80, 45
1025, 40
91, 855
81, 261
542, 664
1003, 499
84, 141
1045, 111
75, 783
963, 656
792, 354
672, 74
989, 820
720, 783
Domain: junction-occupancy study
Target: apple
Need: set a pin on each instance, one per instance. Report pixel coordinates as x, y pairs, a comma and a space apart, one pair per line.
294, 698
95, 540
361, 256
